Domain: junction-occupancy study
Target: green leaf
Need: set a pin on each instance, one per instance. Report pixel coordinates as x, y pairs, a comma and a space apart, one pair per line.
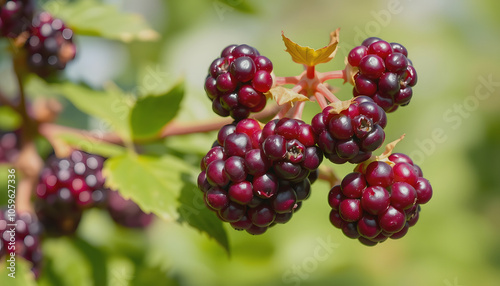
92, 18
65, 263
91, 145
110, 105
154, 183
193, 211
151, 113
22, 273
9, 119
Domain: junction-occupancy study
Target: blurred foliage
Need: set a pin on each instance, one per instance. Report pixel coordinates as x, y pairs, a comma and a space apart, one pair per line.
453, 45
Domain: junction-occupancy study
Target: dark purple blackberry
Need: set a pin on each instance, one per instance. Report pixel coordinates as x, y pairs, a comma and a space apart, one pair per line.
385, 73
50, 45
126, 212
20, 233
237, 81
247, 178
353, 134
9, 146
67, 186
15, 17
380, 200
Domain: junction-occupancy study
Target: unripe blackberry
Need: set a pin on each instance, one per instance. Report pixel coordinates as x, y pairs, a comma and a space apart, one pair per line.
15, 17
385, 73
380, 200
50, 45
237, 81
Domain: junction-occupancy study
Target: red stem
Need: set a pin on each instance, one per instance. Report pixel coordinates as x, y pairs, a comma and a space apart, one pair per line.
298, 110
286, 80
340, 74
321, 100
311, 72
321, 88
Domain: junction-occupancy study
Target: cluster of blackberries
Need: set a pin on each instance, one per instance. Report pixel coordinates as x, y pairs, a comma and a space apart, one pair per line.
385, 73
237, 81
380, 200
49, 45
352, 134
68, 186
257, 177
20, 235
15, 17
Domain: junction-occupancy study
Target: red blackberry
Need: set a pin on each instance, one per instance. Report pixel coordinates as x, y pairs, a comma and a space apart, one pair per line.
255, 178
352, 134
20, 233
385, 73
380, 200
15, 17
237, 81
50, 45
67, 186
126, 212
9, 146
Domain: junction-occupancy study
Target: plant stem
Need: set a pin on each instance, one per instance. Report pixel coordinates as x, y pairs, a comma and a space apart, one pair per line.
286, 80
298, 110
321, 88
29, 164
321, 100
311, 72
340, 74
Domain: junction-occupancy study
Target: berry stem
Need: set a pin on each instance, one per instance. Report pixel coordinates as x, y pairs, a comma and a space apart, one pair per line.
298, 109
311, 72
339, 74
327, 174
280, 80
321, 100
284, 110
321, 88
174, 128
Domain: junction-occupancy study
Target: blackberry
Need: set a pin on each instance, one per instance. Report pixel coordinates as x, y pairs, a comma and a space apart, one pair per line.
385, 73
256, 178
50, 45
9, 146
126, 212
237, 81
15, 17
68, 186
380, 200
21, 234
352, 134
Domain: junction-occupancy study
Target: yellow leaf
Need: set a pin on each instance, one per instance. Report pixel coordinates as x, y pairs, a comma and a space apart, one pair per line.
340, 106
350, 72
284, 95
309, 56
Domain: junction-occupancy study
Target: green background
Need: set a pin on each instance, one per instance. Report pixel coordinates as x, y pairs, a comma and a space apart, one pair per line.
452, 129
